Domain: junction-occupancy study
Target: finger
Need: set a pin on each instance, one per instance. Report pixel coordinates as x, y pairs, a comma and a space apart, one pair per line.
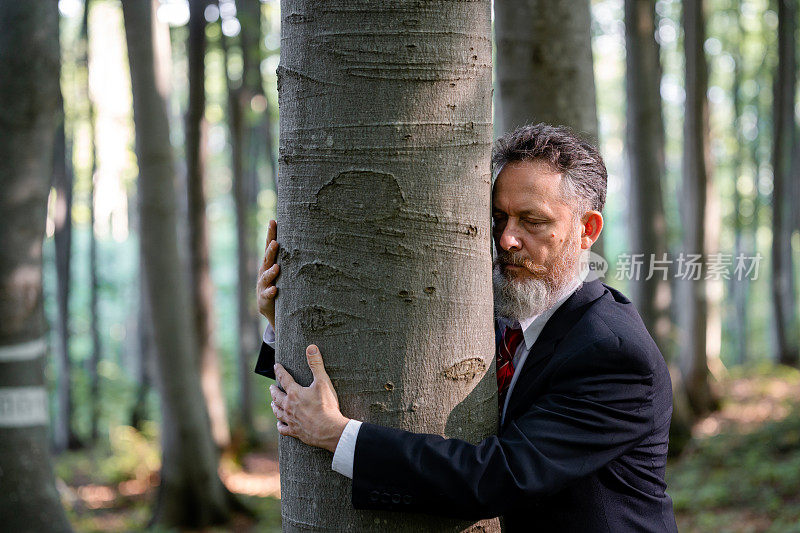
272, 231
285, 430
271, 253
269, 275
284, 379
278, 396
279, 413
315, 363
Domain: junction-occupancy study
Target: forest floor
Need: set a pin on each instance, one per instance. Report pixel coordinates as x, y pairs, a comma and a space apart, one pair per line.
740, 472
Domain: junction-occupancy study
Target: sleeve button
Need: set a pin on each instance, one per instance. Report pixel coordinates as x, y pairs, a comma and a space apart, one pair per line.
395, 498
386, 497
374, 495
407, 499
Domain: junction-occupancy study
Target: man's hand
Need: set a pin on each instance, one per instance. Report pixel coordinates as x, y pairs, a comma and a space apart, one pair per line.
311, 413
266, 291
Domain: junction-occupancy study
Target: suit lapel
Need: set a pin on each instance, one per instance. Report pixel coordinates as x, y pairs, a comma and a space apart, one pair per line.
553, 332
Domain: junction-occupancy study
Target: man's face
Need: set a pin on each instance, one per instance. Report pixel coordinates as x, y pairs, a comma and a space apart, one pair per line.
537, 237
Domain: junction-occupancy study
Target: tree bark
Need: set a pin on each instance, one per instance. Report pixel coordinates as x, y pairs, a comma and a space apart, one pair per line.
545, 71
646, 168
29, 89
202, 287
383, 207
191, 493
698, 218
783, 287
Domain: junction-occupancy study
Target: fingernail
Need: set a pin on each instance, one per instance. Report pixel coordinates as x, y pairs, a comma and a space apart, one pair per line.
312, 350
275, 366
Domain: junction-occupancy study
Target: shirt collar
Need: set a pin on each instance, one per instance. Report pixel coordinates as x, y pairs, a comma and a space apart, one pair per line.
533, 326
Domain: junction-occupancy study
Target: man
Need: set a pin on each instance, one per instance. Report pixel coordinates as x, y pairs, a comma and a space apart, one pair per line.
585, 396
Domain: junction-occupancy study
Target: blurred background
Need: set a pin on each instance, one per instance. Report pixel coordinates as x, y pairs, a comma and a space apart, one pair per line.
707, 162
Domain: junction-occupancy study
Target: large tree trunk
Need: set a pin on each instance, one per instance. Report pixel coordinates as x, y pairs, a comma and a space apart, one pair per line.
646, 167
784, 301
63, 434
697, 217
545, 71
29, 89
383, 207
202, 287
191, 493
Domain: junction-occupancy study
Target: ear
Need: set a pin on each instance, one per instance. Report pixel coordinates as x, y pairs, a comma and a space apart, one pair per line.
591, 226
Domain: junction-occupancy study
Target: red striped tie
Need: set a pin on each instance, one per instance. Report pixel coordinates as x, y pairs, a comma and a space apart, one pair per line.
505, 362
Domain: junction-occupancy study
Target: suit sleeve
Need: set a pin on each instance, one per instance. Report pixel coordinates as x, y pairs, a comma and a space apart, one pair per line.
598, 407
266, 361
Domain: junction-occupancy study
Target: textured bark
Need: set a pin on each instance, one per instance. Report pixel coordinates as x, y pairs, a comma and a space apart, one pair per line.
646, 167
64, 434
191, 493
783, 287
202, 287
29, 89
545, 71
383, 207
697, 216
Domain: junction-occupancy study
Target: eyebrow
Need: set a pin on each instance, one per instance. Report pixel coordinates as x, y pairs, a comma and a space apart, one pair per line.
526, 213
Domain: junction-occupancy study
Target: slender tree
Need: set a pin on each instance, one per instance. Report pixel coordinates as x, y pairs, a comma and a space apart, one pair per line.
545, 71
63, 433
646, 169
94, 281
784, 140
29, 90
191, 493
383, 206
251, 145
202, 288
697, 217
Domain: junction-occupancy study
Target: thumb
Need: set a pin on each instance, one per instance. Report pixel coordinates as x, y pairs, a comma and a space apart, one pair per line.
315, 362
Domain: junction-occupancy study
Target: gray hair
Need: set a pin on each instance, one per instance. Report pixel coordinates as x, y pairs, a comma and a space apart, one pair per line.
585, 177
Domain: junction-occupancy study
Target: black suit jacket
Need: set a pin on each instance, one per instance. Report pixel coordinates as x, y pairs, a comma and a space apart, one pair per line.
583, 446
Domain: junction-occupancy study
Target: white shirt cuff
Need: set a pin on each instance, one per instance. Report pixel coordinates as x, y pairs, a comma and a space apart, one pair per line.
345, 453
269, 336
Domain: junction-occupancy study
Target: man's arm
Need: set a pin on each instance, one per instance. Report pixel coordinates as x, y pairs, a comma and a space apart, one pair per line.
599, 407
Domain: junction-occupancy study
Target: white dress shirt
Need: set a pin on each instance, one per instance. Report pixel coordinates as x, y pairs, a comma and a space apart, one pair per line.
344, 456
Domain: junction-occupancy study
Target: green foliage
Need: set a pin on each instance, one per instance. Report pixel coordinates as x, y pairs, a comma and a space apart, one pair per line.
743, 481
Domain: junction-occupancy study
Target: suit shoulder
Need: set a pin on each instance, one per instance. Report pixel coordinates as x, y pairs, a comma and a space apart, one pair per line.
612, 326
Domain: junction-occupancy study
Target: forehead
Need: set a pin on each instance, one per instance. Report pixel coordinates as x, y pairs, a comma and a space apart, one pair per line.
528, 185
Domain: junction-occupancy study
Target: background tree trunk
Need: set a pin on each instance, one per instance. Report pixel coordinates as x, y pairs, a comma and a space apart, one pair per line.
63, 435
697, 216
383, 207
545, 71
202, 287
646, 169
94, 283
29, 92
191, 493
783, 287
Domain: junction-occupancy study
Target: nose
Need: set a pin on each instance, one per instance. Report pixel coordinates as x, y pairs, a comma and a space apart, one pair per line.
509, 239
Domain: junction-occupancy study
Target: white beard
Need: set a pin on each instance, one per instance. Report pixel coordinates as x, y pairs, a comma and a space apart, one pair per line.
519, 299
526, 297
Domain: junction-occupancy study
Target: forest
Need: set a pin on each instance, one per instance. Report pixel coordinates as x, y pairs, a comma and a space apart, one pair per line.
145, 145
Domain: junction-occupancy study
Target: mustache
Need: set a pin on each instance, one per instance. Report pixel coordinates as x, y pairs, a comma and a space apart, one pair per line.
505, 257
